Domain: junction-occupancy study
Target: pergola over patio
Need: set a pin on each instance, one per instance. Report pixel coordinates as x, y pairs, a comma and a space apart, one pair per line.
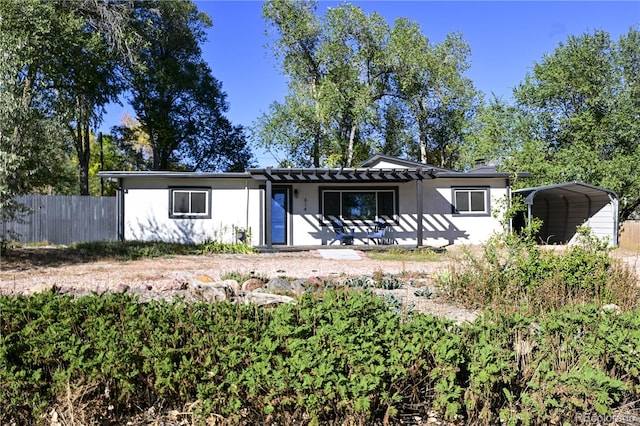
356, 175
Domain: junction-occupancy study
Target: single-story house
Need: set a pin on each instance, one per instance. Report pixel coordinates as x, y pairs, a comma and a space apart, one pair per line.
564, 207
423, 205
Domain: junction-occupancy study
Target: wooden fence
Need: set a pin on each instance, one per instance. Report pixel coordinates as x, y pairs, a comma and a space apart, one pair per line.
630, 234
64, 219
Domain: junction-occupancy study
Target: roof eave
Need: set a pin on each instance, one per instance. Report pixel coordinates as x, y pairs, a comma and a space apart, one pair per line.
172, 175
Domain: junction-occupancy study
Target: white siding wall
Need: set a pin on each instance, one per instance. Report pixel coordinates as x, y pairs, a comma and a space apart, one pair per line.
440, 226
603, 222
238, 203
147, 211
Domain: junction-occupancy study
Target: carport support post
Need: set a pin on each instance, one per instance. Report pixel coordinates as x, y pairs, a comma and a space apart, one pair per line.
419, 212
267, 214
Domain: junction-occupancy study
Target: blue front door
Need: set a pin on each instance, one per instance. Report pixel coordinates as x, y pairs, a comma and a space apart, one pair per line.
279, 216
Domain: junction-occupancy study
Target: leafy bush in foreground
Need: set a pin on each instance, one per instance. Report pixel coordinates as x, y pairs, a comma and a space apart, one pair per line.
335, 357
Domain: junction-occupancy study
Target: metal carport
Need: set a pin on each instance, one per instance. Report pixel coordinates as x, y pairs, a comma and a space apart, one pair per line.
564, 207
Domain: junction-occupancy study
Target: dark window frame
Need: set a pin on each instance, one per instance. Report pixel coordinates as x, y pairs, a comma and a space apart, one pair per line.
486, 190
190, 190
324, 220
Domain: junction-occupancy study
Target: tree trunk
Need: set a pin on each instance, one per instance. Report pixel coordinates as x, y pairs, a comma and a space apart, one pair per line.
352, 136
82, 140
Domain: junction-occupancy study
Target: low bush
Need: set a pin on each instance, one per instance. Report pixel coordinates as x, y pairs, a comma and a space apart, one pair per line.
336, 357
513, 274
131, 250
408, 255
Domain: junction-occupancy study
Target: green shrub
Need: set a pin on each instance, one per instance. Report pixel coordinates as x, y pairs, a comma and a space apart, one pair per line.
131, 250
514, 274
336, 357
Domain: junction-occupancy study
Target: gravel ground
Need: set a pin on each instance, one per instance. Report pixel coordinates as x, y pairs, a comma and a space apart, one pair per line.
30, 270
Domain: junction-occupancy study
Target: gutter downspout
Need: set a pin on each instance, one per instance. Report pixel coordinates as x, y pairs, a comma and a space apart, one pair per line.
120, 209
616, 219
246, 216
419, 211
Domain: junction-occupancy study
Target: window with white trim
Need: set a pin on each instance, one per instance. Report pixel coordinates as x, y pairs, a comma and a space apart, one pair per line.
359, 204
471, 201
190, 203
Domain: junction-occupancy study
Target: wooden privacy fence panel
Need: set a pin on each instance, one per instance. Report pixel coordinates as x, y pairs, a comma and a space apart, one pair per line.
64, 219
630, 234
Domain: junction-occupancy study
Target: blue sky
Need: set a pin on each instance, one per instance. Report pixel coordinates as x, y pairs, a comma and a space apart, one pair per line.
506, 39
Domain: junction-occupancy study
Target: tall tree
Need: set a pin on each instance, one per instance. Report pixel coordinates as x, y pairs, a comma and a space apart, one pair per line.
345, 68
336, 73
429, 79
33, 156
394, 124
92, 84
584, 104
179, 104
353, 51
59, 65
296, 125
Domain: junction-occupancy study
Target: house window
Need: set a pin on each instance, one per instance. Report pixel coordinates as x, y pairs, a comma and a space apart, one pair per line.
189, 203
359, 204
471, 201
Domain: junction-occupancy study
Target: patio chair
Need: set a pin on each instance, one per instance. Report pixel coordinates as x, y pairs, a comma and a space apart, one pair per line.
342, 233
379, 233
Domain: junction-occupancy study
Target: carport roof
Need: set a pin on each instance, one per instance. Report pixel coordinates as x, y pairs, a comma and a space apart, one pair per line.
568, 189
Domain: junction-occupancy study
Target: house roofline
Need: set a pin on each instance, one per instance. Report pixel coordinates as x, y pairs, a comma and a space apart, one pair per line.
471, 174
167, 174
400, 161
301, 175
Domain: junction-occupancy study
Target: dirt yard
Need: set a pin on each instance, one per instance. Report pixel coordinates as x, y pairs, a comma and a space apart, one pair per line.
30, 270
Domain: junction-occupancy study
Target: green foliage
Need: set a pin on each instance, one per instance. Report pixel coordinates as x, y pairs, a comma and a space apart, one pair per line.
33, 156
425, 292
337, 357
358, 86
345, 356
514, 274
574, 119
379, 279
63, 61
131, 250
179, 104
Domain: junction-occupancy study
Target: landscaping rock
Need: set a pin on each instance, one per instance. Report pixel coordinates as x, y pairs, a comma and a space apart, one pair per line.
204, 288
233, 284
265, 299
300, 286
279, 285
252, 284
210, 293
